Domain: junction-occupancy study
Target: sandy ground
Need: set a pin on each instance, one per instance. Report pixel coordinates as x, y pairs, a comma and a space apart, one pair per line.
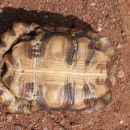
110, 18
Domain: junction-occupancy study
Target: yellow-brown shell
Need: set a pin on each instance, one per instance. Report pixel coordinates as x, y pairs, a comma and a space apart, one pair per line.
57, 70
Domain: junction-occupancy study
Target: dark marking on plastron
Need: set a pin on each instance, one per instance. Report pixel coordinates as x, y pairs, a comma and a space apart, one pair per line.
7, 103
39, 92
101, 66
10, 58
20, 108
91, 52
88, 103
43, 46
90, 57
30, 87
91, 87
41, 103
86, 91
72, 51
100, 81
9, 80
68, 96
70, 56
91, 45
28, 52
34, 51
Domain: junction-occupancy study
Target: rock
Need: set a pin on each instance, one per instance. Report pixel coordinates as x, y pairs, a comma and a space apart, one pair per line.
119, 46
100, 27
121, 122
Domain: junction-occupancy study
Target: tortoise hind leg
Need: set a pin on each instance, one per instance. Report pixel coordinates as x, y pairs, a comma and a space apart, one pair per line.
13, 105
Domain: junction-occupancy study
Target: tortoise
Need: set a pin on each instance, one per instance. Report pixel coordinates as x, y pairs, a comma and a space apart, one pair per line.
55, 68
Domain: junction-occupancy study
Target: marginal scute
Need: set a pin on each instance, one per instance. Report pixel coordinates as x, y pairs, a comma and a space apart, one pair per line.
56, 69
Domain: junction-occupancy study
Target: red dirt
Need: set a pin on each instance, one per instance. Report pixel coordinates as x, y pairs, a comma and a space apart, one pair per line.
108, 17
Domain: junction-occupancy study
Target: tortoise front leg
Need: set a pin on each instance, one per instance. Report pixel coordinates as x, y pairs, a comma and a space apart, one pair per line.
13, 104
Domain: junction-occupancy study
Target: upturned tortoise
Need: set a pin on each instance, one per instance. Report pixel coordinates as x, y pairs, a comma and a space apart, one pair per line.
55, 69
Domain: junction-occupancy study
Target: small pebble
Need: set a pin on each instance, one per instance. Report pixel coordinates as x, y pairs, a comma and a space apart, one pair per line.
121, 122
119, 46
93, 4
100, 27
10, 5
121, 74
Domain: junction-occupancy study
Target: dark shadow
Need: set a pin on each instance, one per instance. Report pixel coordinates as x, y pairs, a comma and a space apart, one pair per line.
11, 15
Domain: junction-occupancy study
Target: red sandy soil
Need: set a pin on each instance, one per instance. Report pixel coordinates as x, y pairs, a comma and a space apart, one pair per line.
110, 18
